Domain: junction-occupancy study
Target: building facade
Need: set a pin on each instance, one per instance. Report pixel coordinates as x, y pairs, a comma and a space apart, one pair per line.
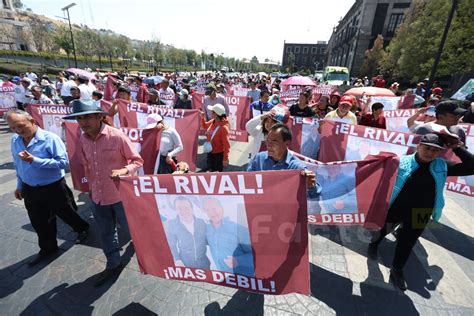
14, 34
304, 56
357, 30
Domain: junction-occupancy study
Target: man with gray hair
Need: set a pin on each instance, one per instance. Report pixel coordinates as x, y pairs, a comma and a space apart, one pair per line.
40, 158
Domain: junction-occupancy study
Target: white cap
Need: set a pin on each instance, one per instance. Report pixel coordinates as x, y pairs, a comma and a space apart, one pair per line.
217, 108
152, 120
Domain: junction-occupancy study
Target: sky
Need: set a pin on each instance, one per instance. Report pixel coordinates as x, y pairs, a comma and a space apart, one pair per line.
240, 29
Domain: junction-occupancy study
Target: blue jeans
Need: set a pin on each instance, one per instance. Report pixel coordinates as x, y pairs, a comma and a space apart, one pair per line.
107, 217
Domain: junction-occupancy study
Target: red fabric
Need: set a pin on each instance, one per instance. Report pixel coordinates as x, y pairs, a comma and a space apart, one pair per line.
275, 219
379, 83
142, 95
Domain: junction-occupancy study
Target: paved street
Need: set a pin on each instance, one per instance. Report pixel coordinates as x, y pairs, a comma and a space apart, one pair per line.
440, 274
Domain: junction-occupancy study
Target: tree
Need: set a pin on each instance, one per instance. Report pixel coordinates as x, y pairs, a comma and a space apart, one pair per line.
291, 62
373, 58
411, 52
62, 40
41, 32
17, 4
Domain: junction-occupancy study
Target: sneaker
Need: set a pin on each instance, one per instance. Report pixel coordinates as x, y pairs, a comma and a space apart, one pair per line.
82, 236
372, 251
107, 274
397, 278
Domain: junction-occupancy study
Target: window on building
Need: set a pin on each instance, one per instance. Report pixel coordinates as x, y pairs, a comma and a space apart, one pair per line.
297, 50
305, 59
395, 20
321, 50
288, 49
314, 50
305, 50
402, 5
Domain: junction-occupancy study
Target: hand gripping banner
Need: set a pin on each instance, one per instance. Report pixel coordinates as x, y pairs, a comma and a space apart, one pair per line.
238, 230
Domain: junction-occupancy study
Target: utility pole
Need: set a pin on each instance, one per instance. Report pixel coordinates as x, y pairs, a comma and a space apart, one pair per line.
66, 8
441, 47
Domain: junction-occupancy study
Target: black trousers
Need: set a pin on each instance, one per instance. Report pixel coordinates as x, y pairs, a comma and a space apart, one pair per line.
43, 203
215, 162
414, 222
164, 167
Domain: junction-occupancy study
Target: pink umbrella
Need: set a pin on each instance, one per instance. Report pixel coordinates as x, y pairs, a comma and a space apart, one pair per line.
370, 91
298, 81
81, 72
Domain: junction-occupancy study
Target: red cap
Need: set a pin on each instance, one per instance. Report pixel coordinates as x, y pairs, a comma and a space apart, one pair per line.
348, 99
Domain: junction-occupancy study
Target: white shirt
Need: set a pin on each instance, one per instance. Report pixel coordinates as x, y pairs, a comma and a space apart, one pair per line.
170, 144
86, 93
167, 97
66, 88
20, 92
32, 76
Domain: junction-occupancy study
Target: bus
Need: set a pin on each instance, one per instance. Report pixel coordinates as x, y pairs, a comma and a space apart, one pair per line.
335, 75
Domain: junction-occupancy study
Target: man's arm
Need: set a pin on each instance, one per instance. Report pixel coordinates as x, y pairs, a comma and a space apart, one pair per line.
58, 152
466, 167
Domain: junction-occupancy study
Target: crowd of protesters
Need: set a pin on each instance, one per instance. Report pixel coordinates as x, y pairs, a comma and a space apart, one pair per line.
107, 153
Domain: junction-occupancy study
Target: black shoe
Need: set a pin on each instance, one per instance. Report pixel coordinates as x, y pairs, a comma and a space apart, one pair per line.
40, 257
82, 236
107, 274
372, 251
397, 278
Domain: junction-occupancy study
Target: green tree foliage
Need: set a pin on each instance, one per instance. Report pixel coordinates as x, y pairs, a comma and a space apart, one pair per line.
373, 58
411, 53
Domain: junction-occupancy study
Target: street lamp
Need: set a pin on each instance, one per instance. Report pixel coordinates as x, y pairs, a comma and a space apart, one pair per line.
440, 48
66, 8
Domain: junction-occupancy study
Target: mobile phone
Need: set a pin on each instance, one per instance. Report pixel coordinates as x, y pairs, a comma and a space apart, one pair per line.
431, 111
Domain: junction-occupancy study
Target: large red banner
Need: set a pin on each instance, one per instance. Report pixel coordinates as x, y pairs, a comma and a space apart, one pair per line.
345, 142
239, 114
396, 120
306, 136
232, 229
186, 123
50, 117
353, 193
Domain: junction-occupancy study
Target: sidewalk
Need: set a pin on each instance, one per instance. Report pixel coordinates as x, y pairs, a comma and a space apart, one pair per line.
440, 274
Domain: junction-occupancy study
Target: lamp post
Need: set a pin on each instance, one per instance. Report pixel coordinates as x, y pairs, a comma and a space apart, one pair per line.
66, 8
441, 47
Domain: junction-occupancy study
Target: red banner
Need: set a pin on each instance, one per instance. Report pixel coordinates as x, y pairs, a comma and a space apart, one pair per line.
238, 230
239, 114
49, 117
186, 123
396, 120
345, 142
353, 193
306, 136
7, 99
290, 95
109, 89
146, 141
389, 103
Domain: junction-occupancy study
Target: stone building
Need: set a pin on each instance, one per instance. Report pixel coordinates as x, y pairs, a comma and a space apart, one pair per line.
14, 34
358, 29
306, 56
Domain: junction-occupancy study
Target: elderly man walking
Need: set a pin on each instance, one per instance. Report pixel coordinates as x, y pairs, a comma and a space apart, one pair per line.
107, 153
40, 159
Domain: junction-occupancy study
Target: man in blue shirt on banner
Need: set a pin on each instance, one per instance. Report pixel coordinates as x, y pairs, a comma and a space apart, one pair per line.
40, 158
278, 157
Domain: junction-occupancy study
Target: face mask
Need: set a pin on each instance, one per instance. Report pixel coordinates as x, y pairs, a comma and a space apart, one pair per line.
275, 101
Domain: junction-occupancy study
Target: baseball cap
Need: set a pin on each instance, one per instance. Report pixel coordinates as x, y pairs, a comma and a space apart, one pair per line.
432, 140
16, 79
437, 90
451, 107
346, 99
217, 108
152, 120
280, 114
184, 92
153, 91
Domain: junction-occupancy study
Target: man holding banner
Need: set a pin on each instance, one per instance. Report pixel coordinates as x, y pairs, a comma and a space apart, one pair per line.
278, 157
418, 194
107, 154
